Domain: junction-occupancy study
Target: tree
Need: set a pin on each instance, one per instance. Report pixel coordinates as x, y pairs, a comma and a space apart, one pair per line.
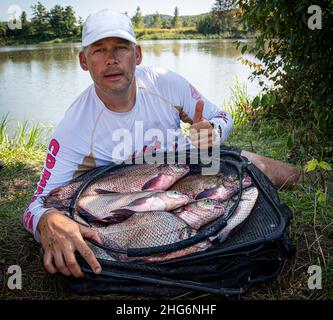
26, 31
298, 61
70, 21
187, 22
221, 13
137, 19
3, 29
176, 23
40, 21
57, 20
156, 20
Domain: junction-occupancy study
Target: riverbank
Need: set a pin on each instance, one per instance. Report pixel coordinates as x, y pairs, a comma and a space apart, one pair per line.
144, 34
311, 228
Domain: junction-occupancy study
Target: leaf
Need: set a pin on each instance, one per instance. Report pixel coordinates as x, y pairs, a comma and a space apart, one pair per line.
244, 49
290, 141
325, 166
265, 100
273, 98
311, 165
255, 102
321, 196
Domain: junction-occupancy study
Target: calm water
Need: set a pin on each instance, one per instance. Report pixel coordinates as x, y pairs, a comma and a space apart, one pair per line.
40, 82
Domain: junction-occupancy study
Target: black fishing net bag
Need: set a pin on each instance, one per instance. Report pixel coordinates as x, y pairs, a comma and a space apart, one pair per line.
254, 252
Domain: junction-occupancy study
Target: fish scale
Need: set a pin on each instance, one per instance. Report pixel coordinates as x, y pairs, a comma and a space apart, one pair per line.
144, 230
132, 178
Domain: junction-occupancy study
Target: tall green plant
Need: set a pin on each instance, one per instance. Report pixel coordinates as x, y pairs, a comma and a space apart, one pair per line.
297, 59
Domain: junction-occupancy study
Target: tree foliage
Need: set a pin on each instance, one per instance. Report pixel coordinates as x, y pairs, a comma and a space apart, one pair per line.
176, 23
157, 20
298, 60
59, 22
137, 19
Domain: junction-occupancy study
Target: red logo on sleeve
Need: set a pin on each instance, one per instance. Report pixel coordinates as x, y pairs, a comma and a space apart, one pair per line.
195, 93
223, 116
49, 164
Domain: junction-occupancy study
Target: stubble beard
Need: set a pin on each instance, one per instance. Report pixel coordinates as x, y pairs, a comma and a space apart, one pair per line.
123, 90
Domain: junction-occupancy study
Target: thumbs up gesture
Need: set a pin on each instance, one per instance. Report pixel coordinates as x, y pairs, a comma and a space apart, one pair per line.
201, 131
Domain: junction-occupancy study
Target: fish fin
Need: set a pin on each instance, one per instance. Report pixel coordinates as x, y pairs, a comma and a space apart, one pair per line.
54, 192
150, 183
205, 194
87, 216
119, 215
102, 191
138, 202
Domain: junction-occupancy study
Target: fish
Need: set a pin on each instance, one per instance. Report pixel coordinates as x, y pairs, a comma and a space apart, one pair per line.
131, 178
198, 247
199, 213
149, 229
116, 207
226, 188
242, 212
219, 187
144, 230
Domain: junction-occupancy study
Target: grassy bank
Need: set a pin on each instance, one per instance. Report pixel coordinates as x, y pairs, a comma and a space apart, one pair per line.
311, 229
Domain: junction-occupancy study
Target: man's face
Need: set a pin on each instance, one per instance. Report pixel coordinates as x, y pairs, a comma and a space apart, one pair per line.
111, 63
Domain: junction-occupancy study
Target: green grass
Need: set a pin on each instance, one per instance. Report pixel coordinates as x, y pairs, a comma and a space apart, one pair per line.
311, 228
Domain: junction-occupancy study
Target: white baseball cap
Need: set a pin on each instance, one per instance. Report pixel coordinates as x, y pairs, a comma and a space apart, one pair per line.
107, 23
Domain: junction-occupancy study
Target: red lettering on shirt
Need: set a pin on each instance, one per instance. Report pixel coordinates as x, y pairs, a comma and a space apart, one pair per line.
46, 176
54, 147
223, 116
26, 218
195, 93
50, 161
31, 221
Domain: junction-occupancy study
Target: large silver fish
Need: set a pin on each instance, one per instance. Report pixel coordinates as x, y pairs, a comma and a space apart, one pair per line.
116, 207
149, 229
201, 212
144, 230
218, 186
132, 178
244, 208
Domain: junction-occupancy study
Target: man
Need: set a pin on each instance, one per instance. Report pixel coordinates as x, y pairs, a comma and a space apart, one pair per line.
124, 101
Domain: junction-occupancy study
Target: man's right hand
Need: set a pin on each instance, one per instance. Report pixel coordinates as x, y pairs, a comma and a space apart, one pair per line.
61, 237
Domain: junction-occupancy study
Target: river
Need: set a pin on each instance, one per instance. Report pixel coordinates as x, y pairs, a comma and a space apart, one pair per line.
39, 82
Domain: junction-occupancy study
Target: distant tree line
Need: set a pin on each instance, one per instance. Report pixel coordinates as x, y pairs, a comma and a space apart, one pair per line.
59, 22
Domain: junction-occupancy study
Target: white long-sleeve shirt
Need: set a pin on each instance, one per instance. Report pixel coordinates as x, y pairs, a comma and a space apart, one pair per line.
90, 135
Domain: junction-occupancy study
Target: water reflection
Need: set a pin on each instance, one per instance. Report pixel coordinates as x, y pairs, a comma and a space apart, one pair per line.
41, 82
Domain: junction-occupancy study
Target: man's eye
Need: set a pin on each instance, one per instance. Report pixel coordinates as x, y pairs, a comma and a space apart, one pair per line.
99, 50
122, 48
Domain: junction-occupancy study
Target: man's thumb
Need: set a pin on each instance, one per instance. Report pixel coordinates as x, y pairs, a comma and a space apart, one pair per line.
198, 111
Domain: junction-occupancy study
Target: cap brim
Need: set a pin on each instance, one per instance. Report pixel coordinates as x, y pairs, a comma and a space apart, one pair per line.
108, 34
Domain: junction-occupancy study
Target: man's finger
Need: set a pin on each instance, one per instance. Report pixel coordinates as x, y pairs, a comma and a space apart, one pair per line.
198, 111
72, 264
89, 256
60, 263
48, 262
88, 233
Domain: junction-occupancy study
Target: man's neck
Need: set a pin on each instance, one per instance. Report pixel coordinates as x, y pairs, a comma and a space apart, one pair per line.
122, 102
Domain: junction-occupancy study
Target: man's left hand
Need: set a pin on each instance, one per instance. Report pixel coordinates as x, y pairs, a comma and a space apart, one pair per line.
201, 131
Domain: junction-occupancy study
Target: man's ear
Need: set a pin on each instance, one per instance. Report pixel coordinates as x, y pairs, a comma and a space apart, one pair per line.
83, 61
138, 54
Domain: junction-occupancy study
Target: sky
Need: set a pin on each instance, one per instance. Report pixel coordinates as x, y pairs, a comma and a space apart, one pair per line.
83, 8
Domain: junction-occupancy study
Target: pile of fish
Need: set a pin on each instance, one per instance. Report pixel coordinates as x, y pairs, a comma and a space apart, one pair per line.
143, 206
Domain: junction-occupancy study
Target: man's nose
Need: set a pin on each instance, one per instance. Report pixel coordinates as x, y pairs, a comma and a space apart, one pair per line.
112, 56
